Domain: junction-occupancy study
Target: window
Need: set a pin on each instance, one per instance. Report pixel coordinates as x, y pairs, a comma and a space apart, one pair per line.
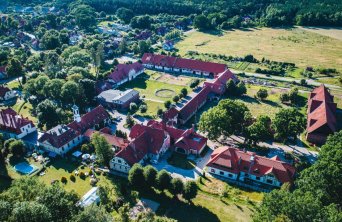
221, 173
230, 175
213, 170
257, 178
119, 161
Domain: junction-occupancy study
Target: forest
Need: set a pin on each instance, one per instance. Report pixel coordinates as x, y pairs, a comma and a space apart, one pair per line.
262, 12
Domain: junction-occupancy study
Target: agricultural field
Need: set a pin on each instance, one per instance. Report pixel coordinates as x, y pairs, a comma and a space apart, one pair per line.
294, 45
332, 32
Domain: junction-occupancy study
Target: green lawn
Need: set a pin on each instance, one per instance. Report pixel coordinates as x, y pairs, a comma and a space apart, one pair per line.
152, 108
64, 168
147, 88
181, 161
24, 109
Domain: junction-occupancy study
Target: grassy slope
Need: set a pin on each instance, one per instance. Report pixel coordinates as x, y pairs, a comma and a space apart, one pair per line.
291, 45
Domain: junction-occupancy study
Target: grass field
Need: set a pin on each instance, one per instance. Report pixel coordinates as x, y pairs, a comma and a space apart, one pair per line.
148, 87
333, 32
152, 108
287, 45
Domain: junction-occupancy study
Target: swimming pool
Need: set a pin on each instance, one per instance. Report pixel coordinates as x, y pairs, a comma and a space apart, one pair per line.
25, 168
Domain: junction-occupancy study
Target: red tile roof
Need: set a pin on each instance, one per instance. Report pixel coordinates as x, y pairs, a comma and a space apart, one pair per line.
145, 136
176, 62
111, 139
235, 161
12, 122
122, 70
321, 117
90, 119
59, 136
186, 139
3, 90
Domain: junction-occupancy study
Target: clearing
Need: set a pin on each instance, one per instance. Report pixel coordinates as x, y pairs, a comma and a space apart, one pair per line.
333, 32
294, 45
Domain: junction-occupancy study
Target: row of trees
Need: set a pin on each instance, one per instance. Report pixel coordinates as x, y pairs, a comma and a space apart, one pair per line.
231, 117
144, 178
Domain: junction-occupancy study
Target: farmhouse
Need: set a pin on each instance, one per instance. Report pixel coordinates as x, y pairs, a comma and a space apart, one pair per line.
60, 139
6, 93
125, 72
118, 99
15, 126
211, 89
181, 65
63, 138
321, 115
247, 167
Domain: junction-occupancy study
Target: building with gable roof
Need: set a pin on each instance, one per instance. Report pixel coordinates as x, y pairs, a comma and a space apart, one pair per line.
182, 65
321, 115
63, 138
118, 99
125, 72
6, 93
247, 167
15, 126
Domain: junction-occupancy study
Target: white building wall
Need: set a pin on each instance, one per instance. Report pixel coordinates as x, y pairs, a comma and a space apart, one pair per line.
25, 130
222, 173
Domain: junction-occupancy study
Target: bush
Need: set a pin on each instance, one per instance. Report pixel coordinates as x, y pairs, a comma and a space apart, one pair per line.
262, 94
82, 175
64, 180
133, 107
175, 99
194, 83
167, 104
72, 178
184, 92
143, 108
90, 172
159, 112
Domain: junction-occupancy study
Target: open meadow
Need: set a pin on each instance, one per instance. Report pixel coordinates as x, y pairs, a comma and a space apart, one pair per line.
302, 47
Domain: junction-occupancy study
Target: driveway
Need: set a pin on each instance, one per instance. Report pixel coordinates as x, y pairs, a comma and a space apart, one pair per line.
182, 173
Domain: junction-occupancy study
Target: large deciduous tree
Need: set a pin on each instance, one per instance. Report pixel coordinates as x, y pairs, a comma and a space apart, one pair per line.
102, 149
288, 123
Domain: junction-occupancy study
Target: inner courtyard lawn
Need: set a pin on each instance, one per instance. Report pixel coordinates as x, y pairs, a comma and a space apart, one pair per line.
148, 88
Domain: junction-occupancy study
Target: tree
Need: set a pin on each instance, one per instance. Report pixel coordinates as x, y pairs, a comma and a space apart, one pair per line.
159, 112
93, 213
190, 190
79, 58
133, 107
230, 87
163, 180
125, 14
17, 148
202, 23
293, 95
50, 40
141, 22
177, 186
241, 89
184, 91
317, 196
49, 114
5, 209
262, 94
52, 88
167, 104
288, 123
102, 149
259, 130
30, 212
150, 174
175, 98
143, 108
136, 176
72, 92
303, 82
284, 97
88, 87
129, 120
85, 16
14, 68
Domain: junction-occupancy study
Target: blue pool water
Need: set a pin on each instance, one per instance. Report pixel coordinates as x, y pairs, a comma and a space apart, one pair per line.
24, 168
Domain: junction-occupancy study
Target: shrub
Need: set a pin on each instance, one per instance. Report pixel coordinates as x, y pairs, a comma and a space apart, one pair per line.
175, 99
167, 104
143, 108
72, 178
133, 107
82, 175
184, 92
90, 172
159, 112
262, 94
64, 180
194, 83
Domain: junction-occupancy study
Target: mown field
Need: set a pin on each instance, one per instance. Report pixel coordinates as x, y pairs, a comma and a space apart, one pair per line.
294, 45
